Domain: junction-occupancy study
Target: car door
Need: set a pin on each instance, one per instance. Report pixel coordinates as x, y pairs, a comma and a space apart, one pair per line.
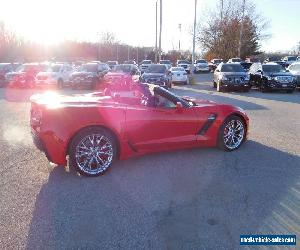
161, 128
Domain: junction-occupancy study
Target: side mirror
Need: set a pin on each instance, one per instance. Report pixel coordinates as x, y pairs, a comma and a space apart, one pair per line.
179, 106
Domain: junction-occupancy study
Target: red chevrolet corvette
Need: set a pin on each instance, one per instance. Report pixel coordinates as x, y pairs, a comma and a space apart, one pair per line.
95, 129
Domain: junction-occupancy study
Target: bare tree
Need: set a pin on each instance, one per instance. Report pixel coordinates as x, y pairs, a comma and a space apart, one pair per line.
220, 36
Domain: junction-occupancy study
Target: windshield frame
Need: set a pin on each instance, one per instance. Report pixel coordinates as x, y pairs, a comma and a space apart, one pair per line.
233, 66
162, 66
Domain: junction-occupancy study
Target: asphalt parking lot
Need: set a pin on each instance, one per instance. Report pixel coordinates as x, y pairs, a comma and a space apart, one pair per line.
189, 199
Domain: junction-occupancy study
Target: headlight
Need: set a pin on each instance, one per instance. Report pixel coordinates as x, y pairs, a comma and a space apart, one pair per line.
223, 77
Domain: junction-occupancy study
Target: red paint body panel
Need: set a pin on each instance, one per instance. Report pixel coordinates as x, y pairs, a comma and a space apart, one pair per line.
138, 129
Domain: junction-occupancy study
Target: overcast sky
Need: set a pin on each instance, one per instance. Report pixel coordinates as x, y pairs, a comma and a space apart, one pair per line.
133, 21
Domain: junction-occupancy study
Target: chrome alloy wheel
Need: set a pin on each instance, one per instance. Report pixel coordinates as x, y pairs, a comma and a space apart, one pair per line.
94, 154
233, 134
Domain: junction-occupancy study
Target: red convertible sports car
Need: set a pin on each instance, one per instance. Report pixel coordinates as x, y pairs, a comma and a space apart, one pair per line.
94, 129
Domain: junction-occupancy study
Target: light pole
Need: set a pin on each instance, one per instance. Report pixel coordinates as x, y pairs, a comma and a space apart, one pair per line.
194, 34
156, 31
128, 53
242, 29
179, 27
160, 29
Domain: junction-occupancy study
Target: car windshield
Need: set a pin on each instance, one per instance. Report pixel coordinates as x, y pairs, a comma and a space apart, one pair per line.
54, 68
201, 61
156, 69
89, 68
165, 62
122, 68
217, 61
3, 66
177, 69
146, 62
232, 68
112, 63
27, 68
183, 62
273, 68
153, 90
295, 67
292, 58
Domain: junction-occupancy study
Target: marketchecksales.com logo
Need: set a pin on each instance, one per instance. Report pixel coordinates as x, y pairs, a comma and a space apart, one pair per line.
268, 240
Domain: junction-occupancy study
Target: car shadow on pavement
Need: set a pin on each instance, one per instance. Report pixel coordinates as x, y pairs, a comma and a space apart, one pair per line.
188, 199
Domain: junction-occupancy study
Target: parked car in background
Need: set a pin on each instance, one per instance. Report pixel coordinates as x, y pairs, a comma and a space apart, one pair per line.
184, 64
201, 65
4, 69
231, 76
235, 60
130, 62
213, 64
122, 77
271, 76
56, 75
24, 76
289, 60
88, 75
282, 63
112, 64
96, 130
252, 60
294, 68
246, 65
166, 62
144, 65
157, 74
179, 75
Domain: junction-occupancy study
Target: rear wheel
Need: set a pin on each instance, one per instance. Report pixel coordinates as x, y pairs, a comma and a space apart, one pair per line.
232, 133
92, 151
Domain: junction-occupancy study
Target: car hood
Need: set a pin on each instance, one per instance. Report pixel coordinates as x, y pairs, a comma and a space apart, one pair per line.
117, 74
49, 74
277, 74
234, 73
202, 64
15, 74
148, 75
83, 74
295, 73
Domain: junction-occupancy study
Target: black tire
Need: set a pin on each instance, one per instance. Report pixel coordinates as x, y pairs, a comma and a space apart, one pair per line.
290, 91
215, 84
80, 137
246, 89
60, 83
221, 140
263, 89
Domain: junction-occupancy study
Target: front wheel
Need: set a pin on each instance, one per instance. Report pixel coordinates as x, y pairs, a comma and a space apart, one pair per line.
232, 133
92, 151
